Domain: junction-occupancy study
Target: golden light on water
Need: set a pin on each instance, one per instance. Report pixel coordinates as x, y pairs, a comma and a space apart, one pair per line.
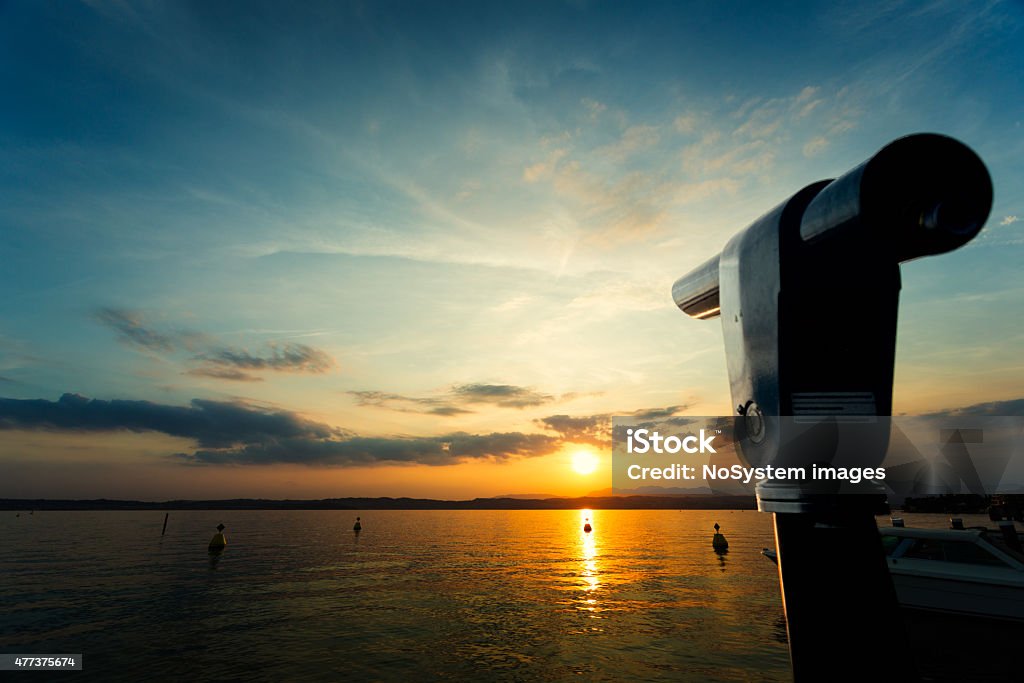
589, 571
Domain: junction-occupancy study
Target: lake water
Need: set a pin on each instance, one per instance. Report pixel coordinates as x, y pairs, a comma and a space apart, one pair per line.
465, 595
438, 595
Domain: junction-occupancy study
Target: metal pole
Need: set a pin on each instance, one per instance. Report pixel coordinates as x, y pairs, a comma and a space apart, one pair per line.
839, 600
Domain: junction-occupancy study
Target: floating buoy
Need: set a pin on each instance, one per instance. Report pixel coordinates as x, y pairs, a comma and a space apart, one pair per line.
586, 527
218, 542
719, 542
357, 527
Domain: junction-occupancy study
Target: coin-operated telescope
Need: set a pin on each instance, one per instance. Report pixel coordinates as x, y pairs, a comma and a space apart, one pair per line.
808, 299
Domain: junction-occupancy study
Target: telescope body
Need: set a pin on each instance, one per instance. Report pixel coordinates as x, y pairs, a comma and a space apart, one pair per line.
808, 298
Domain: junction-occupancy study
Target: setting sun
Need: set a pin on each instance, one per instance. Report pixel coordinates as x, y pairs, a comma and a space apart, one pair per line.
584, 462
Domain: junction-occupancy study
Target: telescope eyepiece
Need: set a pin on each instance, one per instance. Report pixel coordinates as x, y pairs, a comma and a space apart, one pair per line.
953, 215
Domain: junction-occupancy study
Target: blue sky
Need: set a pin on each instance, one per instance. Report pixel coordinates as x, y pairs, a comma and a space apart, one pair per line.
404, 222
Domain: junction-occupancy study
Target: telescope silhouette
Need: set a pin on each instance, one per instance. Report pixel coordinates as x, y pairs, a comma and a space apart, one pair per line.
808, 299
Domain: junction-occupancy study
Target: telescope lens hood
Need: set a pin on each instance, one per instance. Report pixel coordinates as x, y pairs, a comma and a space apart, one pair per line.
922, 194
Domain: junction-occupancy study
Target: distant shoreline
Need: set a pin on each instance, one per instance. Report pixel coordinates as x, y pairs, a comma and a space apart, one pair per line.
646, 502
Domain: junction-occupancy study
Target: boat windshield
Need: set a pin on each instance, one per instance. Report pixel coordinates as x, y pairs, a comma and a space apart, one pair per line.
963, 552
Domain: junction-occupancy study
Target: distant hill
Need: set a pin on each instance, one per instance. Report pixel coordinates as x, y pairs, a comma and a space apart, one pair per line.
528, 496
695, 502
653, 491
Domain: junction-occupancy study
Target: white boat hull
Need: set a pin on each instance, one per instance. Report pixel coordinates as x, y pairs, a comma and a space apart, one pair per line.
958, 596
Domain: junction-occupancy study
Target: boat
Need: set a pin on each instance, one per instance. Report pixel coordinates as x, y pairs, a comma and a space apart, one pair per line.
964, 572
959, 571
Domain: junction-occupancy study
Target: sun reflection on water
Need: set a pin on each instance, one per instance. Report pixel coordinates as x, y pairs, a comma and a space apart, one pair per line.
589, 569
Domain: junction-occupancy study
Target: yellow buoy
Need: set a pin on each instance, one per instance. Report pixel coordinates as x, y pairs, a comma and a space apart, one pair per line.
218, 542
718, 542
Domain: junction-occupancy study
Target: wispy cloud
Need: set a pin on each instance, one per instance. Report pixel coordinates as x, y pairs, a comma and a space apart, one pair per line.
685, 123
634, 139
620, 183
408, 404
504, 395
707, 161
657, 413
214, 360
1001, 238
133, 330
539, 170
597, 429
458, 399
769, 124
224, 373
593, 107
815, 146
287, 357
1011, 407
590, 429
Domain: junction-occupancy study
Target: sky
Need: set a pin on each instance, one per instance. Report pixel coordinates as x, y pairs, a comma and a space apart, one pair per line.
249, 249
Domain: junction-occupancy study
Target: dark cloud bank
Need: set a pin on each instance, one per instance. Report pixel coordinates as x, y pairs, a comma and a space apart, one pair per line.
235, 433
212, 424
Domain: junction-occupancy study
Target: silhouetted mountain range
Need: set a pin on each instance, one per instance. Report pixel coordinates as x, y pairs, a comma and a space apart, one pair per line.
696, 502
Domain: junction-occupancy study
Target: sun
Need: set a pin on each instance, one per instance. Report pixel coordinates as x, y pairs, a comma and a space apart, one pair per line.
584, 462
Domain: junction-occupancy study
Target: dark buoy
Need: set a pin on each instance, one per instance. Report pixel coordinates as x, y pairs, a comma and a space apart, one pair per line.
718, 542
586, 527
218, 542
357, 527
